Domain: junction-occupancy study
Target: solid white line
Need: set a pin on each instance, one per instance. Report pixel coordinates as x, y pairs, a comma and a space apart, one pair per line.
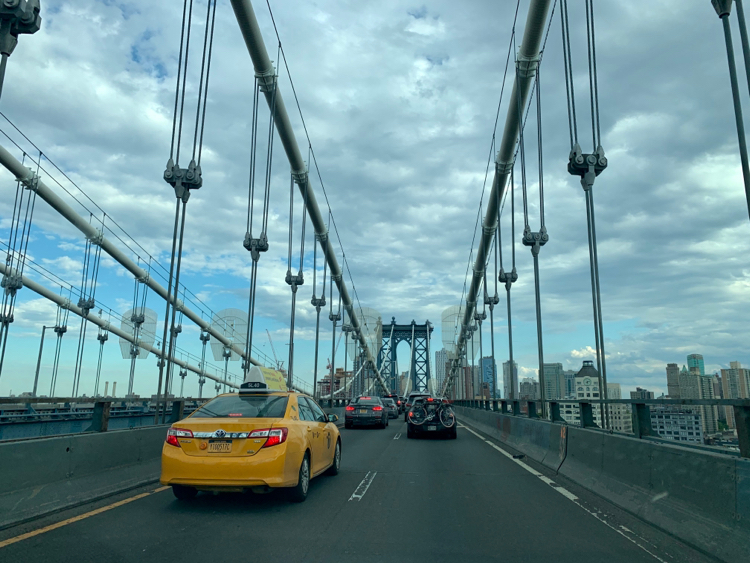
564, 492
361, 489
397, 436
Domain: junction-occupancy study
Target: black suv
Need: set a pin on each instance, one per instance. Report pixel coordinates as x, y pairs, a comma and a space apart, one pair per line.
431, 415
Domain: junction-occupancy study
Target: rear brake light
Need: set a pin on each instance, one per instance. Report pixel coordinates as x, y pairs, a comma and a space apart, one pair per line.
399, 402
408, 404
377, 408
429, 400
364, 397
276, 436
411, 413
174, 433
350, 408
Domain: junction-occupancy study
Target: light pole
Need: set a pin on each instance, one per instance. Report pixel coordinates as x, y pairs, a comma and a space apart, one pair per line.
39, 360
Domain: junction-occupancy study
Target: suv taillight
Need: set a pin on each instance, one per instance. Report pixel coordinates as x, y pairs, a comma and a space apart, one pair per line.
174, 433
274, 436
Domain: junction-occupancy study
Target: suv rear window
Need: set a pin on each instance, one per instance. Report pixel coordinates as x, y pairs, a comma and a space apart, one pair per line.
244, 406
368, 401
388, 401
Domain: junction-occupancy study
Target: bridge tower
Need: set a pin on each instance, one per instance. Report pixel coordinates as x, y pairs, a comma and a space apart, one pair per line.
418, 337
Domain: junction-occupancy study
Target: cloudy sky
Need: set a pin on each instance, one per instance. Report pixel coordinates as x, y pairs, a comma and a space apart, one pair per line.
399, 99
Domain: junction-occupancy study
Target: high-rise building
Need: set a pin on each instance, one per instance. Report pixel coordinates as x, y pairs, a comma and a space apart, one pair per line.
570, 383
641, 394
489, 374
441, 358
621, 419
554, 381
529, 389
587, 388
673, 381
694, 386
696, 361
678, 425
735, 383
510, 381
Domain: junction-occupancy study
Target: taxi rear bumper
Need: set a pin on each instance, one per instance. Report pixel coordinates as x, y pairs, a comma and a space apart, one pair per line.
276, 466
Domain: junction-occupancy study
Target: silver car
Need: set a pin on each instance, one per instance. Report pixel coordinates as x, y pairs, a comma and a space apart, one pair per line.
390, 406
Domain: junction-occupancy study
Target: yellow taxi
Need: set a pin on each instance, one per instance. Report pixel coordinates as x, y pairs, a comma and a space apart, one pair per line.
258, 439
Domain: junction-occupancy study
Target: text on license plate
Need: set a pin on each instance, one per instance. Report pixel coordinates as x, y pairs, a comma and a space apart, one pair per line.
223, 447
362, 411
432, 428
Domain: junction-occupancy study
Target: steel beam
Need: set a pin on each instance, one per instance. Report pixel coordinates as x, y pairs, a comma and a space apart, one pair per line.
262, 65
528, 56
98, 321
44, 192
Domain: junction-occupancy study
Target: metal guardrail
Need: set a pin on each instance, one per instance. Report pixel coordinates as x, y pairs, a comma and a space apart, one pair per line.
641, 413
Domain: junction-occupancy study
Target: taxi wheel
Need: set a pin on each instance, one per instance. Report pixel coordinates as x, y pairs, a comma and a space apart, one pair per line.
299, 492
184, 493
334, 469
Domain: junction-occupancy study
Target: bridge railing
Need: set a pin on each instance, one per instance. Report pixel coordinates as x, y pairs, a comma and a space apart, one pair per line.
99, 410
641, 411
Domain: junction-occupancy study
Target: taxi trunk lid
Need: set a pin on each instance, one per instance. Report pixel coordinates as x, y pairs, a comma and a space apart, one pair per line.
225, 437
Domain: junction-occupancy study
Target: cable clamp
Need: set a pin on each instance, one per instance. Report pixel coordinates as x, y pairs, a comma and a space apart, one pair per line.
318, 302
183, 179
144, 279
12, 282
489, 230
506, 278
267, 79
503, 168
5, 320
86, 305
175, 330
60, 330
300, 177
205, 337
479, 317
103, 337
337, 277
722, 7
527, 66
294, 280
535, 240
256, 245
96, 239
31, 182
135, 349
587, 166
17, 17
322, 237
334, 317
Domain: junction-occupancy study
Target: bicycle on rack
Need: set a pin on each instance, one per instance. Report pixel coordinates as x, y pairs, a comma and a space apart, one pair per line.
431, 415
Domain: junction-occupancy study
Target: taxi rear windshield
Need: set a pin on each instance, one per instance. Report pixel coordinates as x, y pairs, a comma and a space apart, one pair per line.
254, 406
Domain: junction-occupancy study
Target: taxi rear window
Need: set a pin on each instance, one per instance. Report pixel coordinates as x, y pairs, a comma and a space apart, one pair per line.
254, 406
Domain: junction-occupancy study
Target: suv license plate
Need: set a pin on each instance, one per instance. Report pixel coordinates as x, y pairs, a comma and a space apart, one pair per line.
432, 428
224, 447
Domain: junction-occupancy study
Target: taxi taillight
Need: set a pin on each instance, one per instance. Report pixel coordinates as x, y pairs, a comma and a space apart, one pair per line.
174, 433
274, 436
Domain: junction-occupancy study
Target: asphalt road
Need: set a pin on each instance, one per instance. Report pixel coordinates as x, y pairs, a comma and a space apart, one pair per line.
395, 499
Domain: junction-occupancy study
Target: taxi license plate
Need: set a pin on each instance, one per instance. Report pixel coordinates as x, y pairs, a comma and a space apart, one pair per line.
432, 428
362, 411
223, 447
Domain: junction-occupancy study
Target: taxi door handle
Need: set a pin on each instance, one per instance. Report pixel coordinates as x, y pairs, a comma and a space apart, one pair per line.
309, 429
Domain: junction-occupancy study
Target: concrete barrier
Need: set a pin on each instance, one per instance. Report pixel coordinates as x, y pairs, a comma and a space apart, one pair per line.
42, 476
701, 497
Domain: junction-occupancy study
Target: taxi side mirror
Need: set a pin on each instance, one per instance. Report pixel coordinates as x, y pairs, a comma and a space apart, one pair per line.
332, 418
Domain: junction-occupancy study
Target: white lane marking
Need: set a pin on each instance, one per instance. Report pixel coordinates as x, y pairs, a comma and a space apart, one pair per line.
564, 492
361, 489
397, 436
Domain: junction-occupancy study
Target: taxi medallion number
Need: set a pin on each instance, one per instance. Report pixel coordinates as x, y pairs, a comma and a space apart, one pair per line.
219, 446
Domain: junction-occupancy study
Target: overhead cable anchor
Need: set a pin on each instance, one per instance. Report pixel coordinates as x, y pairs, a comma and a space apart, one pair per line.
256, 245
17, 17
294, 280
183, 179
267, 80
527, 66
587, 166
535, 240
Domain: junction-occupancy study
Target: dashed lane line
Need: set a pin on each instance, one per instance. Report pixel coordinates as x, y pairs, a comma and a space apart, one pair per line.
397, 436
563, 491
16, 539
361, 489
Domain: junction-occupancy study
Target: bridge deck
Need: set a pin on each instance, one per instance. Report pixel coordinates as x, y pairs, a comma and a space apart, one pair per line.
430, 500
